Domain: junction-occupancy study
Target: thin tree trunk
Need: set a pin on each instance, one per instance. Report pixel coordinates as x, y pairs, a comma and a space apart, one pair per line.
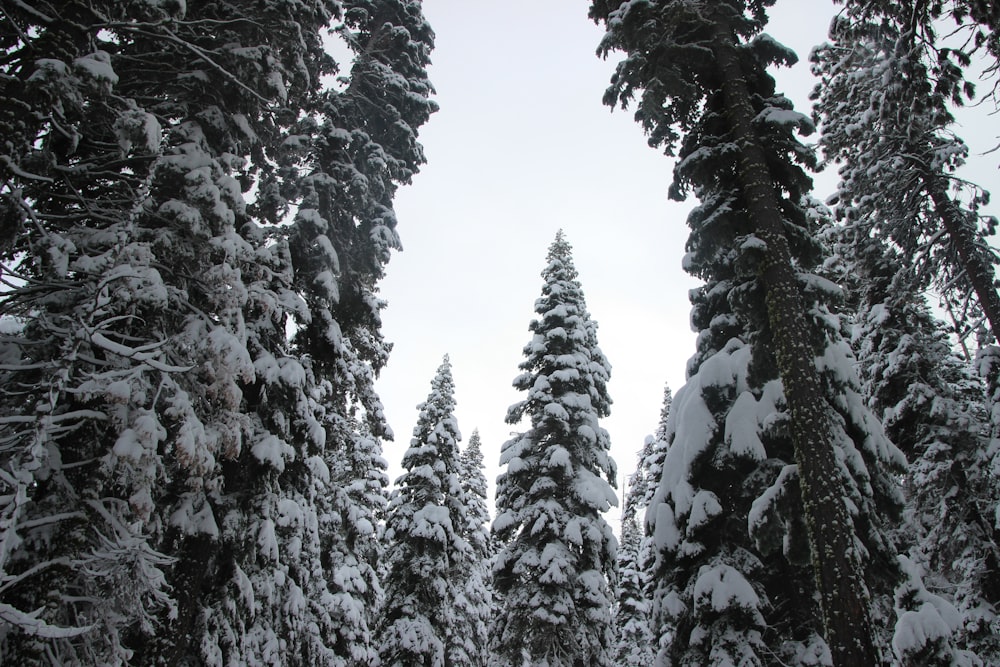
843, 595
976, 262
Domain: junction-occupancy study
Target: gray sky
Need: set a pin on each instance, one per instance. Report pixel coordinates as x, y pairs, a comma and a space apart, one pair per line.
522, 147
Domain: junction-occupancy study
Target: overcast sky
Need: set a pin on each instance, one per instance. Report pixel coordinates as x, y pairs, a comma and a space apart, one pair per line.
522, 147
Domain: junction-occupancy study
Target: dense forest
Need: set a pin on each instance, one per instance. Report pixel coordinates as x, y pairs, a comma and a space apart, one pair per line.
195, 216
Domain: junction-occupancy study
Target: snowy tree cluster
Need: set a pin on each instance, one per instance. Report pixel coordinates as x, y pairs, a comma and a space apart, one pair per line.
194, 223
824, 488
196, 209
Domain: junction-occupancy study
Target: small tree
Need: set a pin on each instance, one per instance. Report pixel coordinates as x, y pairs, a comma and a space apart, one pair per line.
474, 606
555, 570
634, 640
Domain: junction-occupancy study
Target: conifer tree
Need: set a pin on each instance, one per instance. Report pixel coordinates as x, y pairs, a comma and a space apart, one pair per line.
776, 478
933, 409
423, 530
210, 449
653, 452
144, 151
633, 640
555, 571
356, 146
474, 604
886, 86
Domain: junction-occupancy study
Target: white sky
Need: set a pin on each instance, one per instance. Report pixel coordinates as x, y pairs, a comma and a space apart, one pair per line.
522, 147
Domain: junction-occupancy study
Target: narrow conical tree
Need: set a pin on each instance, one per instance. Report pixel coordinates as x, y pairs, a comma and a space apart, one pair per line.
474, 605
633, 639
555, 570
423, 531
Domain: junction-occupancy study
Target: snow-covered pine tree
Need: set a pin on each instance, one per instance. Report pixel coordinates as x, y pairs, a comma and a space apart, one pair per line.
653, 452
162, 294
555, 571
776, 479
634, 645
933, 409
425, 548
474, 606
883, 102
67, 189
355, 146
175, 404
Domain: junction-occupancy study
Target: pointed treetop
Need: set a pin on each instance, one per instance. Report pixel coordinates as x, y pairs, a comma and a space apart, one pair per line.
560, 259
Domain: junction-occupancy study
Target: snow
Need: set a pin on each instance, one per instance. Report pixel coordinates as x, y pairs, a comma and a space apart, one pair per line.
272, 450
704, 508
595, 491
742, 425
721, 587
785, 118
97, 66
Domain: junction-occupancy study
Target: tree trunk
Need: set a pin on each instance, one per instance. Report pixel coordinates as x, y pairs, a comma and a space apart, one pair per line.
843, 595
961, 230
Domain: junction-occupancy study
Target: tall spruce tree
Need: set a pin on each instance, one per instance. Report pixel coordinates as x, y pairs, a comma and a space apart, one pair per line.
426, 517
354, 147
149, 121
555, 571
768, 516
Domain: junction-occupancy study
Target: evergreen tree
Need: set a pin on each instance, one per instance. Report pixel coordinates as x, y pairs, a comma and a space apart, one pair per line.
474, 605
426, 516
634, 640
144, 159
651, 465
174, 466
355, 147
768, 516
653, 452
883, 100
933, 409
555, 570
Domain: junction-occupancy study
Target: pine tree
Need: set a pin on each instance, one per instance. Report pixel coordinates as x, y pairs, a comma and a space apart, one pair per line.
933, 409
423, 530
653, 452
555, 570
356, 146
144, 152
883, 100
474, 605
205, 449
634, 639
770, 442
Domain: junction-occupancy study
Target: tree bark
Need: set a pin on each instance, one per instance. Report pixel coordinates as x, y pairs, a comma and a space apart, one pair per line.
837, 568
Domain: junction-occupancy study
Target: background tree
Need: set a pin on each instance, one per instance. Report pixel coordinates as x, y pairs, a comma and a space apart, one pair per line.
475, 600
555, 570
933, 408
884, 96
633, 639
424, 535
